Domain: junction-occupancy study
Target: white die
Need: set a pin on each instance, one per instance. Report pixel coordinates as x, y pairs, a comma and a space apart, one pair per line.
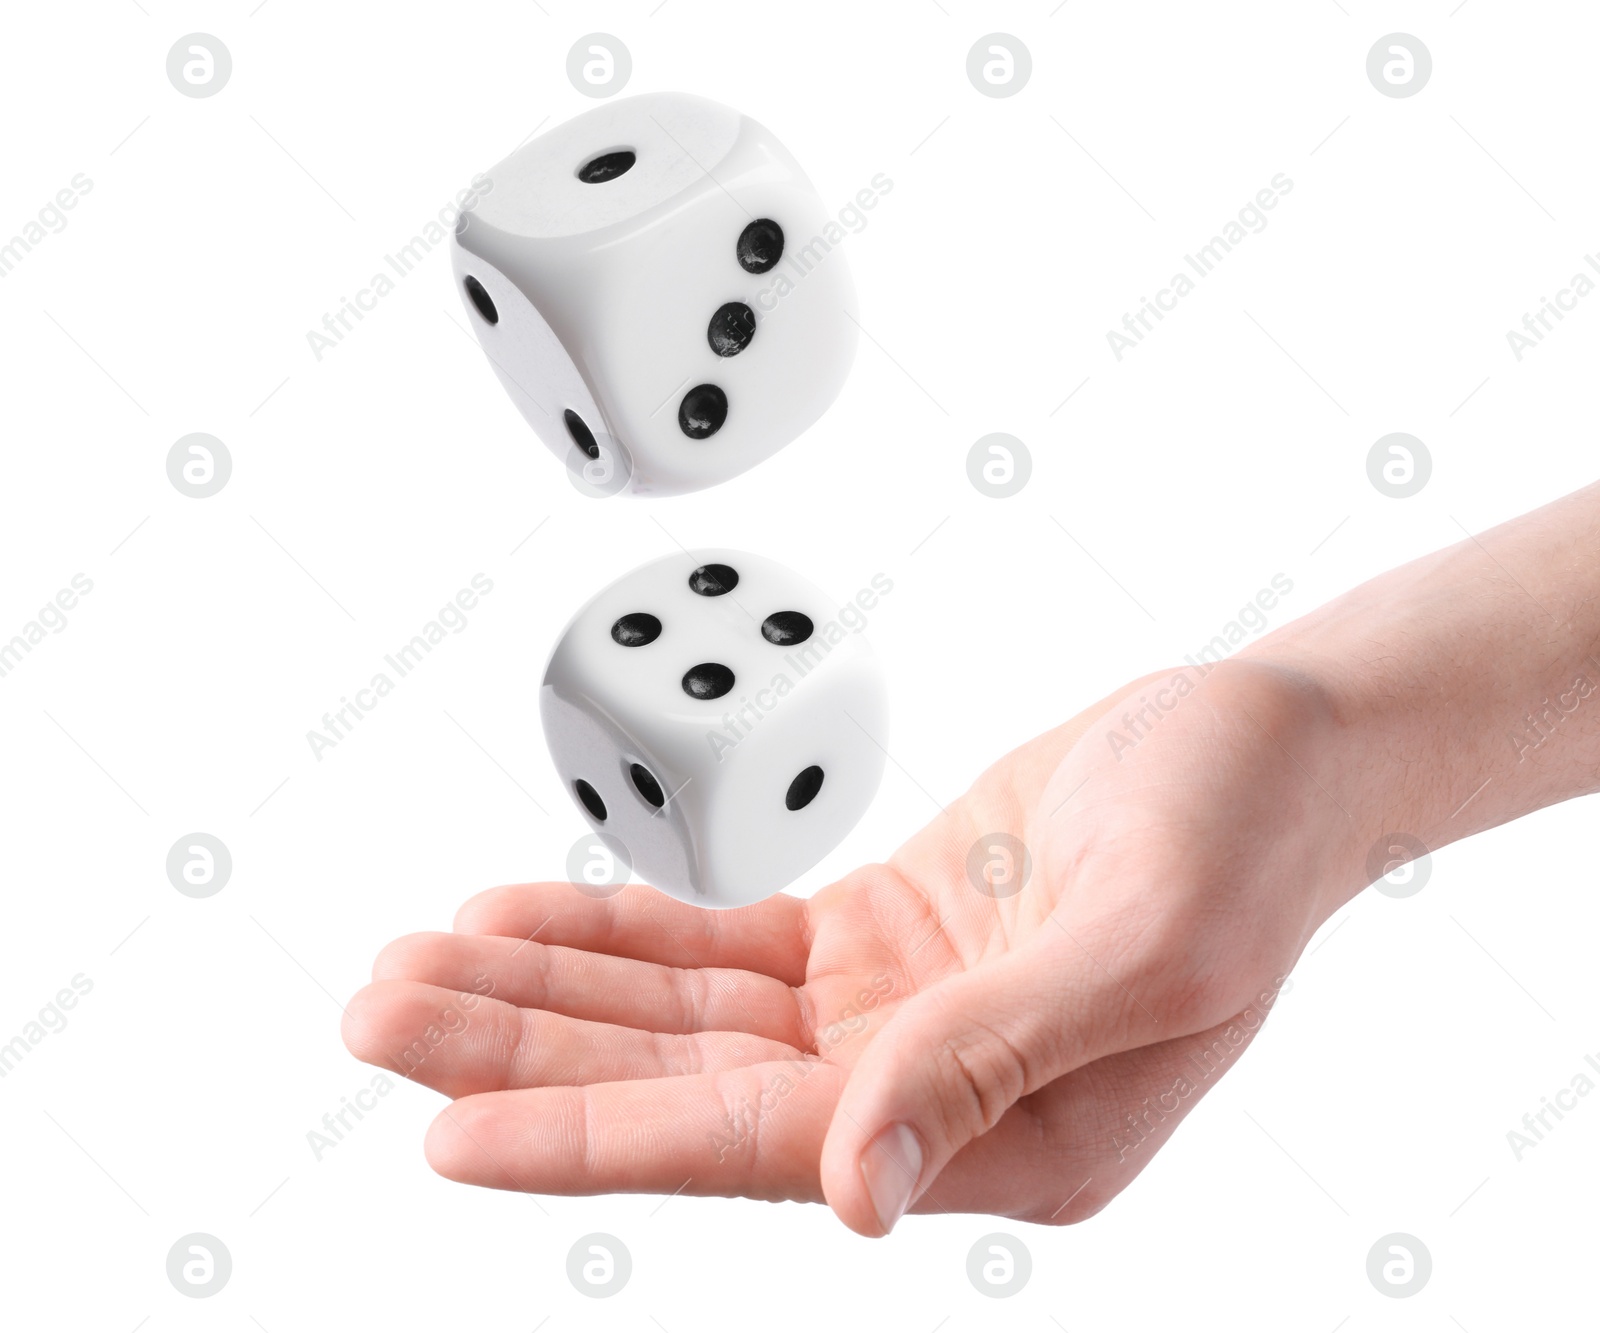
728, 740
607, 258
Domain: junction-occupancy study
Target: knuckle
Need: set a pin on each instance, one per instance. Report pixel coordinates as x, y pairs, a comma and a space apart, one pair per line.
674, 1055
517, 1048
979, 1074
694, 998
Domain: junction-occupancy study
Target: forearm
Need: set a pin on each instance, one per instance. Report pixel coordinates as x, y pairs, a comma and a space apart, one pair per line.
1465, 686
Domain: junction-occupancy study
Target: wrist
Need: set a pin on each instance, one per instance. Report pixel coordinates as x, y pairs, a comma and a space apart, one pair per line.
1463, 689
1390, 807
1327, 725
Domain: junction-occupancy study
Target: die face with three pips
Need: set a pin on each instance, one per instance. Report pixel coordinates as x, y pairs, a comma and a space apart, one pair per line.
710, 711
651, 286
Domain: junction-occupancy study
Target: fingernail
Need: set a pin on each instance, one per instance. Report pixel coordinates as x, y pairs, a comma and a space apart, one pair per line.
890, 1165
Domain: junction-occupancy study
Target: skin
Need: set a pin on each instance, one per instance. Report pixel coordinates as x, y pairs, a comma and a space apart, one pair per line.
906, 1040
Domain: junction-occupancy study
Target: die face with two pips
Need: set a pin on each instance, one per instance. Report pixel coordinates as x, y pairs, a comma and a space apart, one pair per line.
710, 712
650, 286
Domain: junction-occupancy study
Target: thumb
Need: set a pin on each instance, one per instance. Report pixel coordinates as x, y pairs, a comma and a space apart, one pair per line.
954, 1059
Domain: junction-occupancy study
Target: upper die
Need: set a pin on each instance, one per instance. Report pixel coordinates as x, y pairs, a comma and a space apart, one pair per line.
655, 285
722, 718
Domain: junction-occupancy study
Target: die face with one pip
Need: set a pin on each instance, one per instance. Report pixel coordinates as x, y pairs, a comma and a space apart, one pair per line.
711, 713
653, 286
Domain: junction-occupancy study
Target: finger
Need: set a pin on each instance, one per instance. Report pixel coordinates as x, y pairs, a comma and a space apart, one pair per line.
755, 1132
599, 987
638, 922
950, 1061
462, 1044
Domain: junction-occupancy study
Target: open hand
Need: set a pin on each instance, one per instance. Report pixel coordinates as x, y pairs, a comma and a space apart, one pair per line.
922, 1034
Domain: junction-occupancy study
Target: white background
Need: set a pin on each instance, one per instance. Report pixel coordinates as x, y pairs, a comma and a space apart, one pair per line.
369, 487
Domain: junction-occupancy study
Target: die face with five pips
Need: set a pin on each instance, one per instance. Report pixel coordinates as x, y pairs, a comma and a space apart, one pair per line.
710, 711
652, 287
